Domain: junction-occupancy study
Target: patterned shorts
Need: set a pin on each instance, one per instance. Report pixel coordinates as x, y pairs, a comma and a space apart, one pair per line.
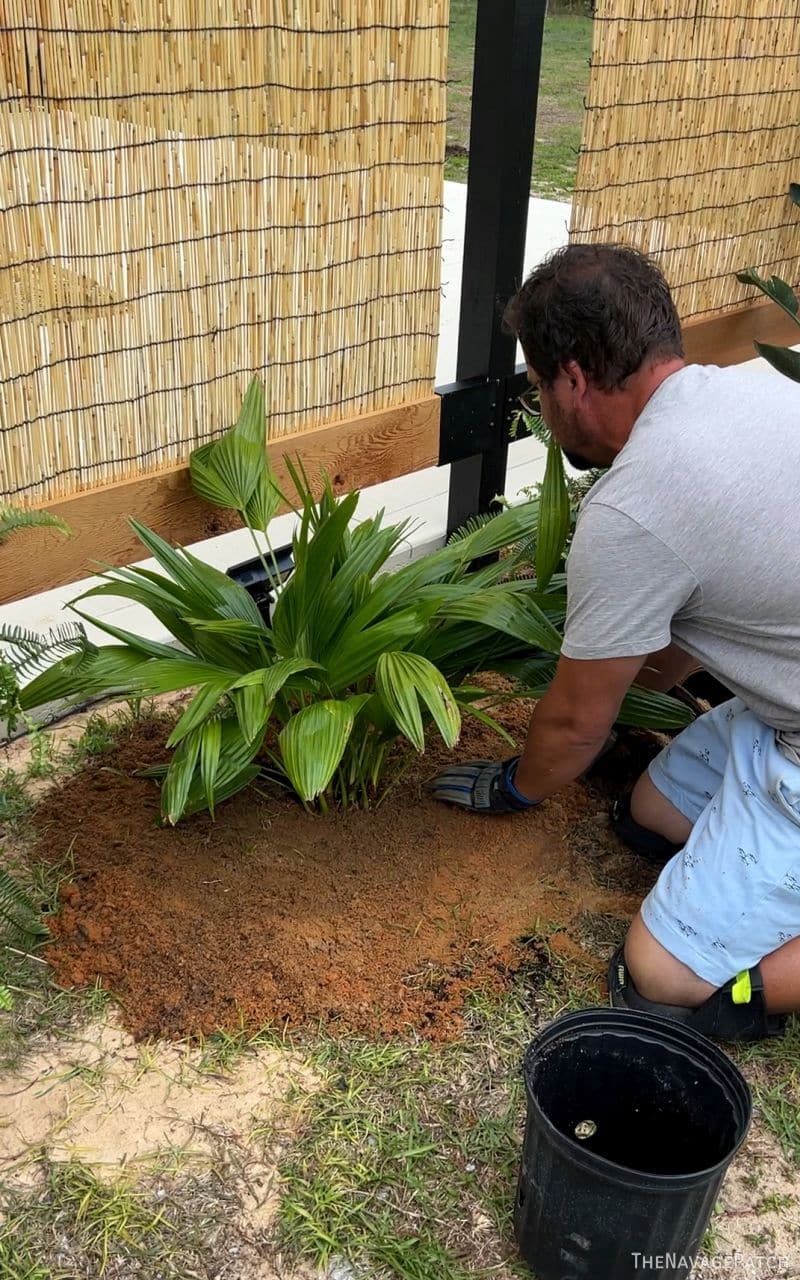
732, 894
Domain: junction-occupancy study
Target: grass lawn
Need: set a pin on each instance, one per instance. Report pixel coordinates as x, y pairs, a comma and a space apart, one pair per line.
564, 77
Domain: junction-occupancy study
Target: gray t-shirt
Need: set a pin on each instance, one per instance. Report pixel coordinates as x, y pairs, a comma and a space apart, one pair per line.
693, 536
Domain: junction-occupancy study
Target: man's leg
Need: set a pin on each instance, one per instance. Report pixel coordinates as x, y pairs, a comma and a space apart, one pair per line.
781, 973
721, 928
656, 818
660, 977
651, 809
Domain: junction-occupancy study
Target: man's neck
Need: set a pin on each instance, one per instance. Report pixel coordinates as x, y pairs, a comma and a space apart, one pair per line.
625, 404
645, 382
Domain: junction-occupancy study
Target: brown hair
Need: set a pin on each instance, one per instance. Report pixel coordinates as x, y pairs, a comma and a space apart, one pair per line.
605, 306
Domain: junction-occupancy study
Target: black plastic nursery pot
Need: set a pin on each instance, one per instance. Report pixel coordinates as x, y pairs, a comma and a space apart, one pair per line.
632, 1122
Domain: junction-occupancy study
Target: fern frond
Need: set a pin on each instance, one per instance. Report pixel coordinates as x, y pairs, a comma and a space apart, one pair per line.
19, 919
28, 652
13, 518
471, 526
534, 425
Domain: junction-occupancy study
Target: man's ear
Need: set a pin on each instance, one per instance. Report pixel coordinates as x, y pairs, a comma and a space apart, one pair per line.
577, 378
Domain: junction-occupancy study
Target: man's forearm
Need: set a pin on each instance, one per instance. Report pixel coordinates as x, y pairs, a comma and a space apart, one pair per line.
557, 750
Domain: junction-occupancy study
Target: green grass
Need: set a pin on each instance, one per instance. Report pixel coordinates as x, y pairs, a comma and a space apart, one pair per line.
407, 1158
564, 79
74, 1226
772, 1068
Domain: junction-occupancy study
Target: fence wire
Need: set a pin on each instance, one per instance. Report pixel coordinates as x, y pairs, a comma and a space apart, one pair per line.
691, 140
191, 193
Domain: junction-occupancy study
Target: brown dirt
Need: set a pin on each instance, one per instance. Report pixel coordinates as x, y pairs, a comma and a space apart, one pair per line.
374, 922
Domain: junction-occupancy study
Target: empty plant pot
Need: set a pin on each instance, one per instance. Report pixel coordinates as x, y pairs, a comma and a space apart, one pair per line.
632, 1122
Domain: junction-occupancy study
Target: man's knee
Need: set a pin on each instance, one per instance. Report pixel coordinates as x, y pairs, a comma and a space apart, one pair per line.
657, 974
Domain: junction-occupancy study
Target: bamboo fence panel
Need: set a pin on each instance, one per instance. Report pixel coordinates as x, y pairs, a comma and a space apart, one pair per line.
192, 192
691, 140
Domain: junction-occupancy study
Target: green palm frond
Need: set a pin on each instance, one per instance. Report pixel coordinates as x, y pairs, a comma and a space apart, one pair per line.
784, 359
471, 525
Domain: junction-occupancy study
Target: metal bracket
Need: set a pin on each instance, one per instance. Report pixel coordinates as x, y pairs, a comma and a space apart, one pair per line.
477, 410
261, 582
467, 423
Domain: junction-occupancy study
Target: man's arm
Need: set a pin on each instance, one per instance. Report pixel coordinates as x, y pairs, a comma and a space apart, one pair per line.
571, 723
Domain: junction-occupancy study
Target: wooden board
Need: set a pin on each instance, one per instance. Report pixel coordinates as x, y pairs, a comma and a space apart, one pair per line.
355, 453
727, 337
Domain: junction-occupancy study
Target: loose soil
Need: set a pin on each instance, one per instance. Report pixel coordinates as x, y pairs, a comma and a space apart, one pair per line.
376, 922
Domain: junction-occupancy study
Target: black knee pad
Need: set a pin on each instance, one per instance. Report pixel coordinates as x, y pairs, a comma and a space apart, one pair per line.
648, 844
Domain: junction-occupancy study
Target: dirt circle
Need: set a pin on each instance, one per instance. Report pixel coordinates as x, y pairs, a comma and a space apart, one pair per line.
371, 921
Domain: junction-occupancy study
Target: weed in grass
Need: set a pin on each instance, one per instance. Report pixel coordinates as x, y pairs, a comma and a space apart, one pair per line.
76, 1225
774, 1203
104, 728
221, 1050
781, 1051
759, 1239
99, 734
773, 1071
14, 798
781, 1114
43, 1009
43, 757
709, 1245
20, 1255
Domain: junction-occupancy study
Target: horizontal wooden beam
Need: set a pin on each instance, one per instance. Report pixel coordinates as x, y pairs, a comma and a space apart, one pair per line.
728, 336
355, 453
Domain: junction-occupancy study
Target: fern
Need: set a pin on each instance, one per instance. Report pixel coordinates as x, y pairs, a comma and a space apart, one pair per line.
20, 926
471, 525
13, 518
28, 652
19, 919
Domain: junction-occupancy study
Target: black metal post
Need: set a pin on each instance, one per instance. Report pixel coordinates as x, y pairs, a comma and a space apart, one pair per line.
508, 47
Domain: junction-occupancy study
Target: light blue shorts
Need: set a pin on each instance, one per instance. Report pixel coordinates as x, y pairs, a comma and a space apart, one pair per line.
732, 894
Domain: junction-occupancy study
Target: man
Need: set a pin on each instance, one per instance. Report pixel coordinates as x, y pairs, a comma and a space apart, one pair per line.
685, 553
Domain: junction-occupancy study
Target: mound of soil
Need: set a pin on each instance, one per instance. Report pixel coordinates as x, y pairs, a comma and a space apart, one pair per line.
375, 922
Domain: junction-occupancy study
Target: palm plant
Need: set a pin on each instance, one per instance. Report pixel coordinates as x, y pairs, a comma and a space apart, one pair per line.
13, 518
784, 359
20, 928
352, 658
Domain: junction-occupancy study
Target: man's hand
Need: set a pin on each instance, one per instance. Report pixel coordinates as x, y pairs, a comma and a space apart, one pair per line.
485, 786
